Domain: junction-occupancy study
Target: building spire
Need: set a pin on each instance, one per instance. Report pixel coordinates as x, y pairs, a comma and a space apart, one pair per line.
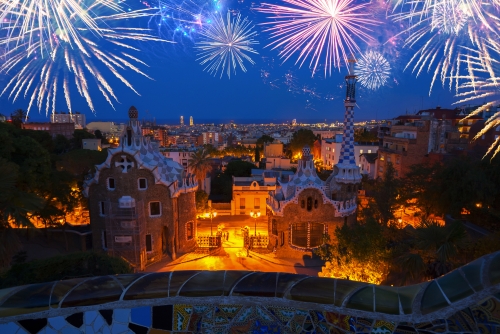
348, 172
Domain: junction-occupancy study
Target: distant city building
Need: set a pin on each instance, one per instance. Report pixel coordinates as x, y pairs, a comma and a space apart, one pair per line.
274, 149
294, 121
159, 133
213, 138
182, 120
142, 205
330, 150
62, 117
54, 129
324, 134
106, 128
251, 194
93, 144
368, 162
191, 121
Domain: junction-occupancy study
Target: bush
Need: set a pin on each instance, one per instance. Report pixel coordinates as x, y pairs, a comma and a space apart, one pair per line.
63, 267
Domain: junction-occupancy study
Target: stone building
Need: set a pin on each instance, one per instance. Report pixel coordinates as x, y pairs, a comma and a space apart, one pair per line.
142, 205
305, 208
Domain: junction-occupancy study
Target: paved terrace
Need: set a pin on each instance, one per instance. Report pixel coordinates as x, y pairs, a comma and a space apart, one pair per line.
466, 300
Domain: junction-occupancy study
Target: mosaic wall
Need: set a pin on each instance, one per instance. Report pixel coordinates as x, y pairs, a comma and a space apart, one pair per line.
466, 300
237, 318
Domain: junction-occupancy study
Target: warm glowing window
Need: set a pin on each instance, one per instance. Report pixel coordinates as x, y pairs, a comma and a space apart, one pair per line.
256, 203
242, 203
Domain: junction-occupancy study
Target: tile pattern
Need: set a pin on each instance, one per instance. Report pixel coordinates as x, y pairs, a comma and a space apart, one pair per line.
235, 318
347, 149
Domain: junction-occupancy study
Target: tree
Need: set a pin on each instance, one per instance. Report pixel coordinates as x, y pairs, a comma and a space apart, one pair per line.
80, 162
264, 139
363, 135
385, 199
18, 117
201, 200
199, 163
257, 154
300, 139
239, 168
78, 136
61, 144
434, 251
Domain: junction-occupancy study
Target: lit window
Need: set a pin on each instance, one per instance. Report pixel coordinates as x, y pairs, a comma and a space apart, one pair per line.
382, 158
369, 151
360, 151
154, 209
242, 203
143, 183
111, 183
149, 243
256, 203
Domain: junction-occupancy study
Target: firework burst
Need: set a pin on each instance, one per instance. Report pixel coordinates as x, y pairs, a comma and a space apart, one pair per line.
324, 30
444, 33
483, 85
373, 70
52, 45
181, 19
226, 45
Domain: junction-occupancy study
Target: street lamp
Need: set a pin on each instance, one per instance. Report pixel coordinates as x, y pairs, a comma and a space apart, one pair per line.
255, 215
211, 213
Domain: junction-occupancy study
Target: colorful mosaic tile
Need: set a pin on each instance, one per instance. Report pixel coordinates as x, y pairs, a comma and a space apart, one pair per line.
283, 314
182, 314
383, 327
462, 321
363, 325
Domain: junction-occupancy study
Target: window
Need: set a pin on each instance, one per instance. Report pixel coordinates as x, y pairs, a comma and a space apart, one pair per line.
309, 203
315, 203
154, 209
143, 183
382, 158
104, 240
149, 243
189, 231
256, 203
274, 227
397, 160
102, 208
360, 151
369, 151
111, 183
242, 203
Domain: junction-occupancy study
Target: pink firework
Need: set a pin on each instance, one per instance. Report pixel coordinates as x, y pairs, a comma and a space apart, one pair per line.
323, 30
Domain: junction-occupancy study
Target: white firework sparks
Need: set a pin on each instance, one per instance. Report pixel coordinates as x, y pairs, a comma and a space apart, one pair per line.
226, 44
446, 34
52, 44
324, 30
373, 70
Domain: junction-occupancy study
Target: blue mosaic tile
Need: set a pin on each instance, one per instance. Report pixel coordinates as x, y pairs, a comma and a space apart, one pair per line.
121, 315
141, 316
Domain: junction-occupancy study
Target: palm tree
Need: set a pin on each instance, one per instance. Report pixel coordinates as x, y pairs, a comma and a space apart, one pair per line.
200, 165
435, 251
18, 117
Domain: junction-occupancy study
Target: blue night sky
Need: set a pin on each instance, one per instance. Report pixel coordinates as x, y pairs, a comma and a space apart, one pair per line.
181, 87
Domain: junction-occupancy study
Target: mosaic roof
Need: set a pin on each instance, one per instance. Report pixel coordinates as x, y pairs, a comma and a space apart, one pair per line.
165, 170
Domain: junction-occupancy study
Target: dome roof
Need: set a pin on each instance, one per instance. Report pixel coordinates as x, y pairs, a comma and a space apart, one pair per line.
133, 113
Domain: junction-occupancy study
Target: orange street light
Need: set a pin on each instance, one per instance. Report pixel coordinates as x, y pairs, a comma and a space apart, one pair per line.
211, 213
255, 215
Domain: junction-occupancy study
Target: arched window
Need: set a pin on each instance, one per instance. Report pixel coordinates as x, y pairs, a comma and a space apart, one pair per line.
309, 203
274, 227
315, 203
